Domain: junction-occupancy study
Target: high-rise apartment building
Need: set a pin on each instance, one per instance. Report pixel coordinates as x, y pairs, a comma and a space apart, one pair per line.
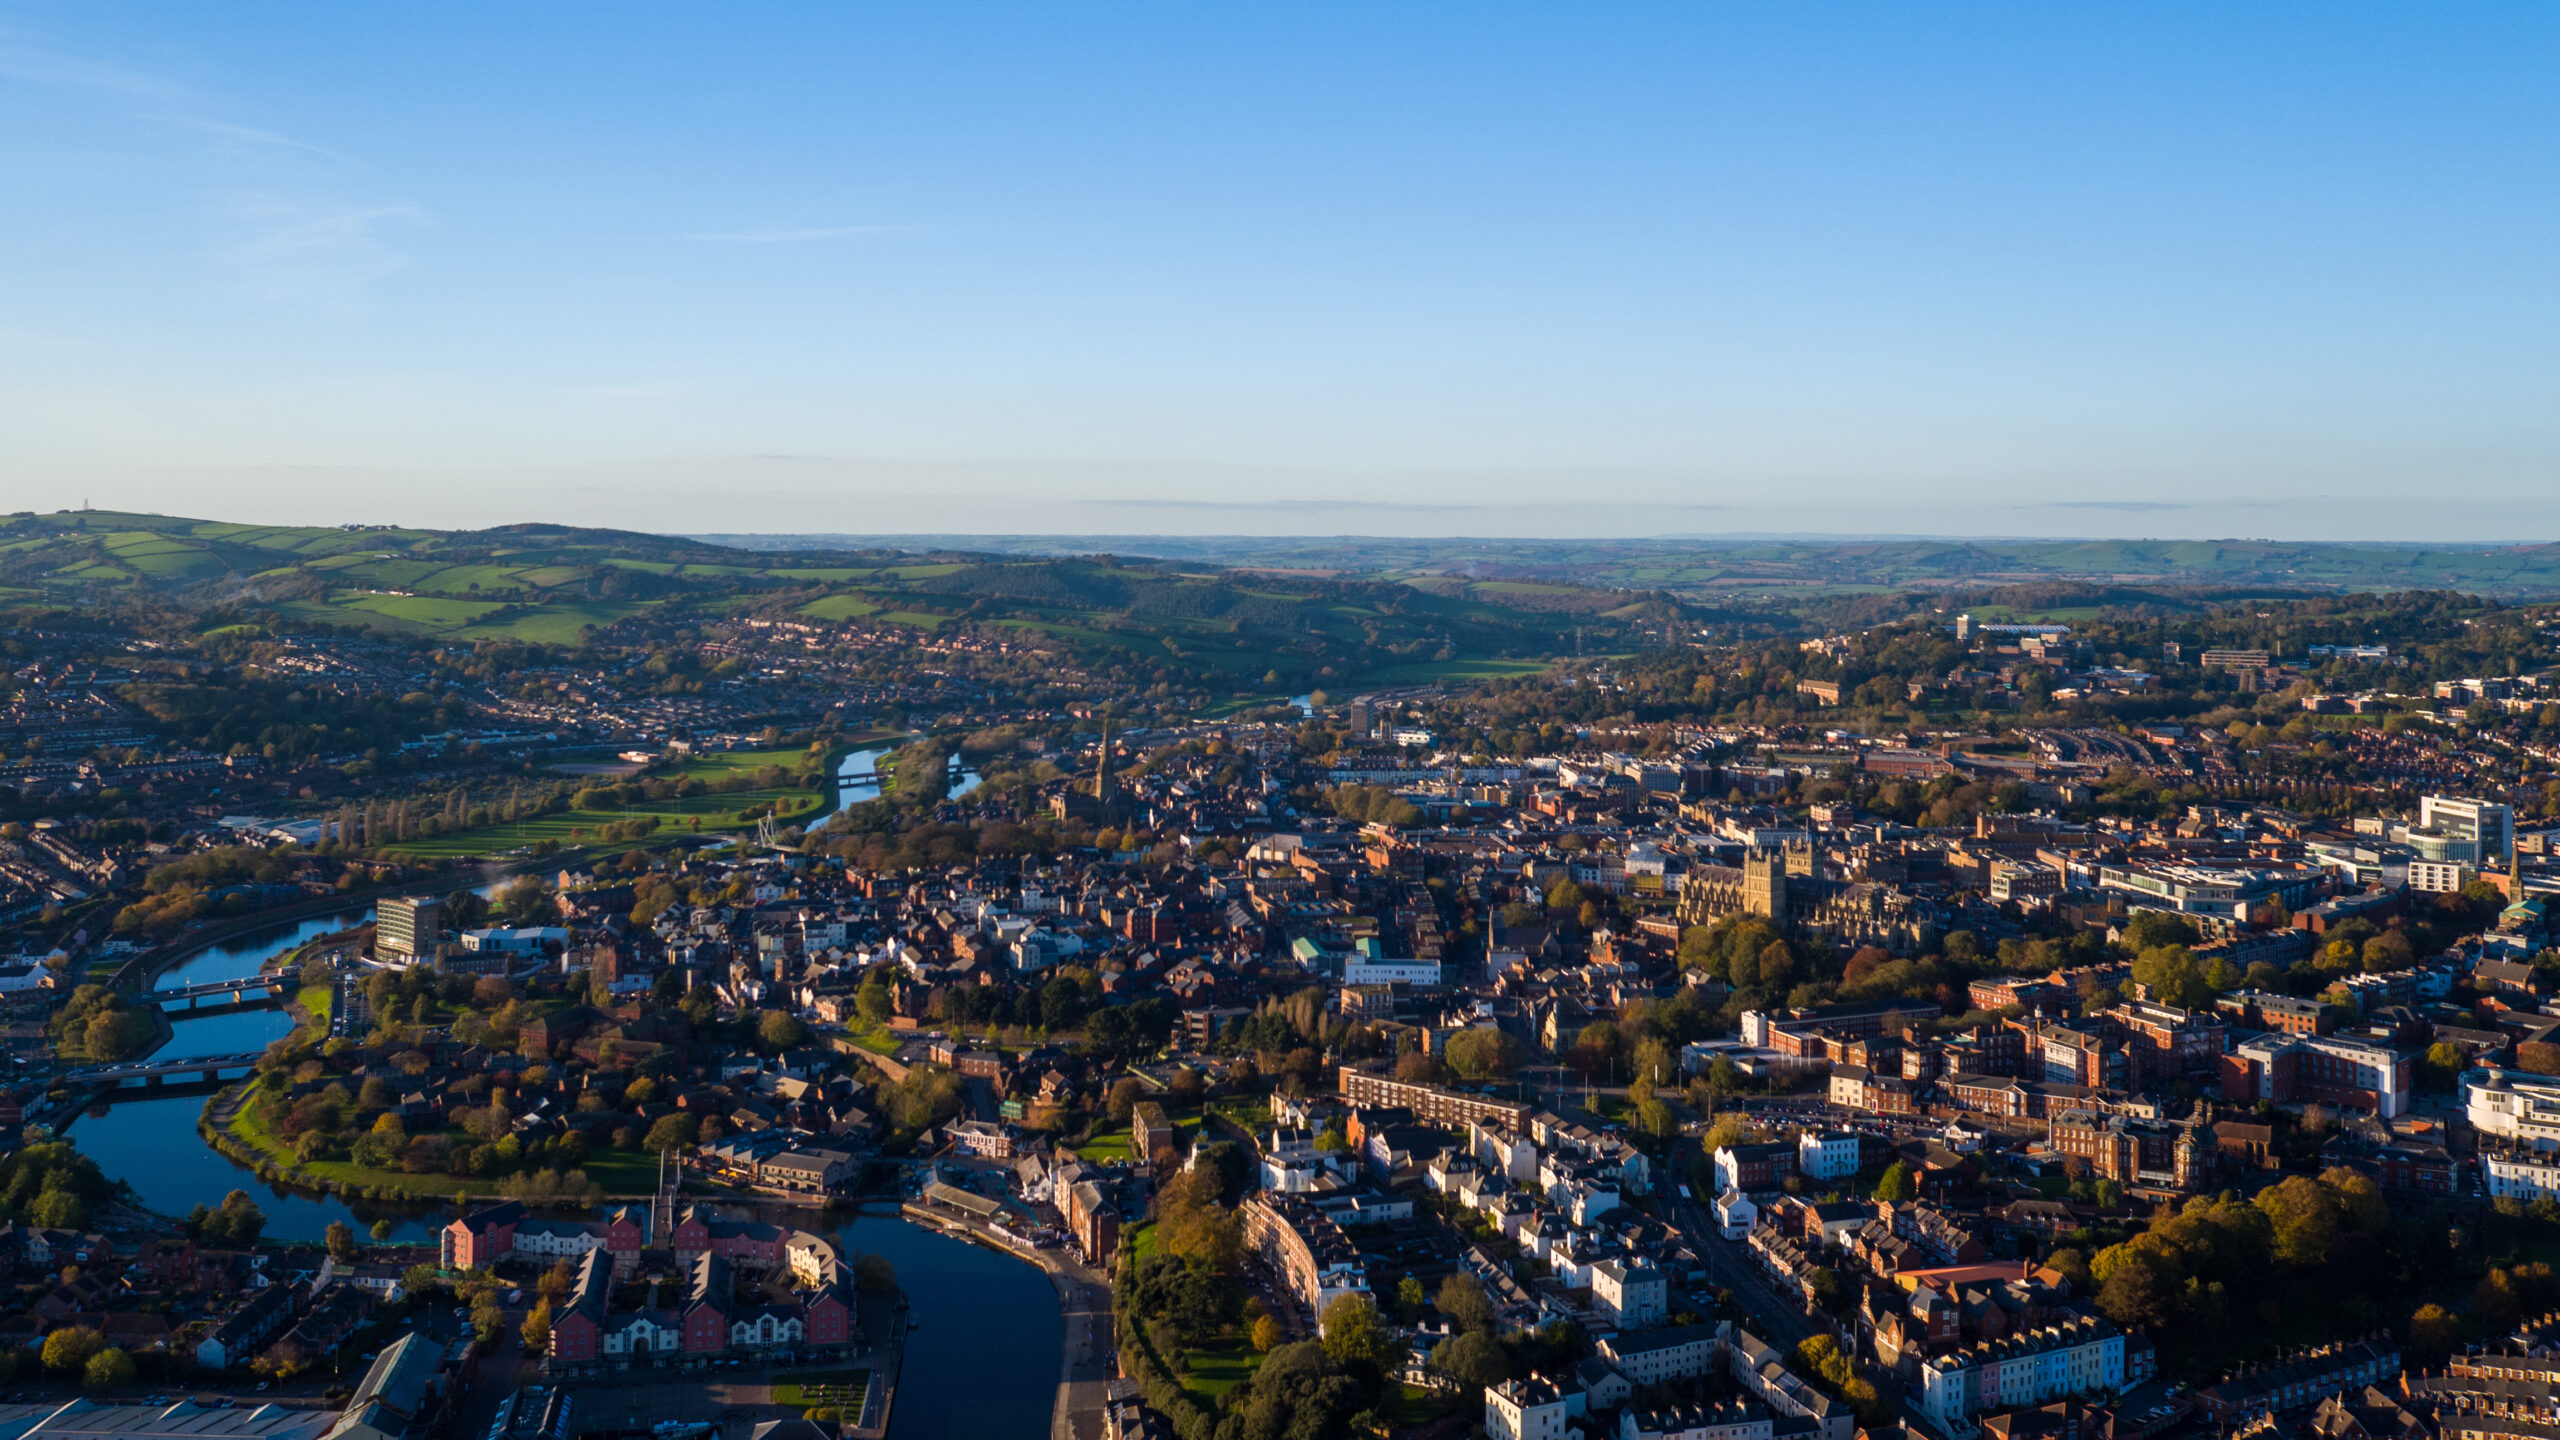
408, 927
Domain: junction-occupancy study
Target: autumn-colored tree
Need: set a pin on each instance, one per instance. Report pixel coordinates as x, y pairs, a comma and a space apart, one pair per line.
2434, 1332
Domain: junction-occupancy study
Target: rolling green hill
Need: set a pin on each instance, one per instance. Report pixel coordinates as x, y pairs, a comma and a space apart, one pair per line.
1711, 570
1227, 630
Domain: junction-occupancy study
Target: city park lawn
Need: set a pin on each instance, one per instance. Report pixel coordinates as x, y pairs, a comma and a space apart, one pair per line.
715, 812
676, 818
840, 1388
1253, 1115
1212, 1373
874, 1038
1108, 1144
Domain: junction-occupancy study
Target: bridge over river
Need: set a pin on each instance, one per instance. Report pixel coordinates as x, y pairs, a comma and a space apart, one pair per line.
240, 993
143, 1074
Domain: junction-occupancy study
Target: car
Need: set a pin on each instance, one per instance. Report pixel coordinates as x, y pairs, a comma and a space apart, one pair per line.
264, 1385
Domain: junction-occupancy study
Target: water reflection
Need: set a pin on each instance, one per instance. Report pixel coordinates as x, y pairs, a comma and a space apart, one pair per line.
153, 1145
983, 1360
866, 763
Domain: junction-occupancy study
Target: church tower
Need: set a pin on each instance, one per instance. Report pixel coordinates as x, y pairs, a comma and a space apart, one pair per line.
1764, 886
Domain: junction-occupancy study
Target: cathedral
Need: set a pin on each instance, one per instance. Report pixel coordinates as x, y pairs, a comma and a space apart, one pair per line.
1787, 888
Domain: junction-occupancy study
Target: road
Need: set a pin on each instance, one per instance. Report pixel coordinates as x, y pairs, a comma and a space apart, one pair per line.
1090, 1351
1776, 1318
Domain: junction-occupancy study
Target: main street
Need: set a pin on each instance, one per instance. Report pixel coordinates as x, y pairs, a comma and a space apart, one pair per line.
1779, 1319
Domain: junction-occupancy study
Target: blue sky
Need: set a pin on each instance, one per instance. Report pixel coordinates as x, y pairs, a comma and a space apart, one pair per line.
2281, 270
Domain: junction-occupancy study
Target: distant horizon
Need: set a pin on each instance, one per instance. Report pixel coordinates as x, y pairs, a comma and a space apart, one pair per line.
1105, 538
717, 537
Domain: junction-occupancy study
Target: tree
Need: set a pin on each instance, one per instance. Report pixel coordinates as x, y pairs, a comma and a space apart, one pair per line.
1421, 1067
1410, 1297
1192, 1224
537, 1329
2150, 929
68, 1350
1463, 1300
874, 1003
1474, 1357
1730, 1129
873, 1273
342, 1242
109, 1369
1480, 1055
2137, 1290
2493, 1301
1828, 1290
671, 1132
2540, 1057
1353, 1336
2434, 1331
781, 1030
1650, 1116
2306, 1218
2441, 1067
236, 1226
1121, 1098
1895, 1183
2171, 975
558, 1281
525, 900
56, 1209
1266, 1334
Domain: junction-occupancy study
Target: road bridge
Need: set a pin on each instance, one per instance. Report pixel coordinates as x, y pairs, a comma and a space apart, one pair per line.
140, 1074
242, 993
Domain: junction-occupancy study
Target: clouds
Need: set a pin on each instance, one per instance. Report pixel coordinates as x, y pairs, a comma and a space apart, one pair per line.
800, 235
36, 65
319, 253
285, 222
247, 136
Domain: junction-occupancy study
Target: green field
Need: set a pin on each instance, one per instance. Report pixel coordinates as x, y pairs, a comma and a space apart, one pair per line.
576, 827
1432, 672
1108, 1144
553, 623
1212, 1373
434, 611
722, 764
676, 817
838, 608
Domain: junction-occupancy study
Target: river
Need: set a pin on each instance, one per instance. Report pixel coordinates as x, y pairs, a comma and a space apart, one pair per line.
983, 1360
849, 791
